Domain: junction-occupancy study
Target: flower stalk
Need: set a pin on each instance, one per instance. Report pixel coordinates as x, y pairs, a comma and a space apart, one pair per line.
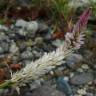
35, 70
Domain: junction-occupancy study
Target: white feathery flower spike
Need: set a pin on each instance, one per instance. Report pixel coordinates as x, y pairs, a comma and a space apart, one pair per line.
34, 70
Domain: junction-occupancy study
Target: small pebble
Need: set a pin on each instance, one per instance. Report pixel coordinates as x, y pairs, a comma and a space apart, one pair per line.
81, 92
32, 26
81, 78
85, 66
39, 40
74, 61
80, 70
21, 23
1, 50
64, 86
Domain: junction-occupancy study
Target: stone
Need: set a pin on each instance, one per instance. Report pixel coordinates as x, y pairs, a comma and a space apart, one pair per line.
5, 46
13, 47
22, 32
21, 23
81, 92
32, 26
74, 61
35, 84
58, 71
57, 42
26, 55
64, 86
22, 46
85, 66
2, 27
80, 70
1, 50
81, 78
39, 40
37, 54
71, 75
28, 94
47, 90
3, 37
66, 78
42, 27
89, 94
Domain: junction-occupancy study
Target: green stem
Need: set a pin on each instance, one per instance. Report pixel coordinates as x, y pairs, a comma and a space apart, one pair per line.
6, 84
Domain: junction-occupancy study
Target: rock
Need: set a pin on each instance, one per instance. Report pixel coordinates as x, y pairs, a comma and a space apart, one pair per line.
80, 70
71, 75
47, 90
66, 78
2, 27
26, 55
35, 84
39, 40
37, 54
57, 42
3, 37
89, 94
42, 27
4, 46
94, 82
74, 61
81, 78
81, 92
21, 23
1, 50
59, 71
22, 32
22, 46
91, 43
24, 62
30, 43
85, 66
88, 54
32, 26
63, 86
28, 94
15, 59
13, 47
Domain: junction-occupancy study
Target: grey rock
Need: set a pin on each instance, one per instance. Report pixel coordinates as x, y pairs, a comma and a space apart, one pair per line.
4, 37
63, 86
42, 27
24, 62
15, 59
32, 26
37, 54
89, 94
35, 84
26, 55
21, 23
1, 50
13, 47
74, 61
5, 46
28, 94
22, 46
47, 90
39, 40
81, 78
57, 42
22, 32
2, 27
